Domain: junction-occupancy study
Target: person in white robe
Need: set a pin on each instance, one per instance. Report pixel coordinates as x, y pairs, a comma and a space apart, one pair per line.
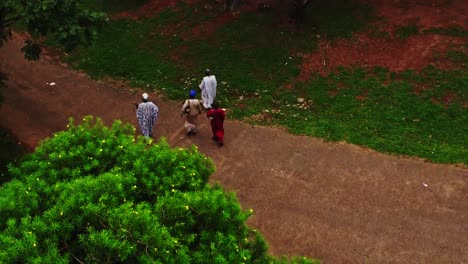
208, 89
147, 114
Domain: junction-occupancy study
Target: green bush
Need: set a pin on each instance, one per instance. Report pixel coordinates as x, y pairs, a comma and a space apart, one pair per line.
95, 194
455, 31
404, 32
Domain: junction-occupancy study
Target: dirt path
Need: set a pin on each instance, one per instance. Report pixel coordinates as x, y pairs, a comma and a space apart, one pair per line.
336, 202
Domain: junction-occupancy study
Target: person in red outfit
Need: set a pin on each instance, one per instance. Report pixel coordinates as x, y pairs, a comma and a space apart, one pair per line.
217, 115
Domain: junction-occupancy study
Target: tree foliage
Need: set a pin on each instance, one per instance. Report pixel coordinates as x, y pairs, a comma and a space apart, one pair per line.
94, 194
68, 19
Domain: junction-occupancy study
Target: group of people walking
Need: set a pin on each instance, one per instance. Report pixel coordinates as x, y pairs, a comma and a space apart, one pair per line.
147, 112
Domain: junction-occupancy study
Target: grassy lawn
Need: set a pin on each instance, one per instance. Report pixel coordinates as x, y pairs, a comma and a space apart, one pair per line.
412, 113
417, 114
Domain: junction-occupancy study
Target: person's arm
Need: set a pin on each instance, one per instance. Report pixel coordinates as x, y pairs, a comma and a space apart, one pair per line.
138, 112
199, 108
222, 114
156, 114
186, 103
182, 111
209, 114
202, 84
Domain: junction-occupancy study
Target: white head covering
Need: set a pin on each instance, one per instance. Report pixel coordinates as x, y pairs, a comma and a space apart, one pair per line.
144, 96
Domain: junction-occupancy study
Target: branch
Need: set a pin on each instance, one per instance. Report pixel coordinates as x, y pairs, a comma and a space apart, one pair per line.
99, 220
77, 259
306, 3
11, 21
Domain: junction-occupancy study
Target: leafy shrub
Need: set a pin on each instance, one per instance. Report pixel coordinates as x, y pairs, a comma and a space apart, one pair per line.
95, 194
455, 31
457, 56
404, 32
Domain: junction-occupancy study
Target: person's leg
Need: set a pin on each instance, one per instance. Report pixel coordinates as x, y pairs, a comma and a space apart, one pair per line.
190, 126
220, 137
194, 122
149, 132
213, 130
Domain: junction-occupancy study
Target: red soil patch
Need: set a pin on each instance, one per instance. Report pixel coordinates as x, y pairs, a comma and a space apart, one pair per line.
427, 13
419, 89
362, 97
333, 92
203, 29
150, 9
174, 55
396, 55
208, 27
448, 97
416, 52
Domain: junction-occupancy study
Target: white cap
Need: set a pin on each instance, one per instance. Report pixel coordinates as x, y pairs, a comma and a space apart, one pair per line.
144, 96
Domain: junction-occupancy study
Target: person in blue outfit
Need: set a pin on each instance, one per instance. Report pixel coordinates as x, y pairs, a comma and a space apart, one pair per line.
190, 110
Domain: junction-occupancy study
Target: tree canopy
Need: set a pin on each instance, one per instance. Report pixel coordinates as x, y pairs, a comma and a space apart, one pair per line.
96, 194
72, 23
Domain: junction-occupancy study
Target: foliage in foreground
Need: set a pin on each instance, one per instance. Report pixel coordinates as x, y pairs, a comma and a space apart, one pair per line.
95, 194
73, 24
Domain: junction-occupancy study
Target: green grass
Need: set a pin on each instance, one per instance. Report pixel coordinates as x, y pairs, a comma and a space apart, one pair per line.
392, 117
254, 59
457, 54
113, 5
455, 31
338, 18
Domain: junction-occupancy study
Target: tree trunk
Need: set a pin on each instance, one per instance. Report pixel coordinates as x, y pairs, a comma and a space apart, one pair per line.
230, 5
298, 11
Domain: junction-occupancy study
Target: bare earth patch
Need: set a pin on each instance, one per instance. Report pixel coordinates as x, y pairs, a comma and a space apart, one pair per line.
416, 52
150, 9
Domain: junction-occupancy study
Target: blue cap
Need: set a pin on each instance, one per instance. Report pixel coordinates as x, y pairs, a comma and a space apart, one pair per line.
192, 93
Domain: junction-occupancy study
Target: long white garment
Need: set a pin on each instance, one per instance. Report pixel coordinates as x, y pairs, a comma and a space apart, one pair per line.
208, 90
147, 115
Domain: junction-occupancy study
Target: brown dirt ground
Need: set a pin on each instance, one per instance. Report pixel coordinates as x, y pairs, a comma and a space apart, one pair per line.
150, 8
416, 52
333, 201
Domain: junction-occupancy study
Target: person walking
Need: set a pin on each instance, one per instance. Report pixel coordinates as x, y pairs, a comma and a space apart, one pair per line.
217, 116
208, 89
147, 114
190, 110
